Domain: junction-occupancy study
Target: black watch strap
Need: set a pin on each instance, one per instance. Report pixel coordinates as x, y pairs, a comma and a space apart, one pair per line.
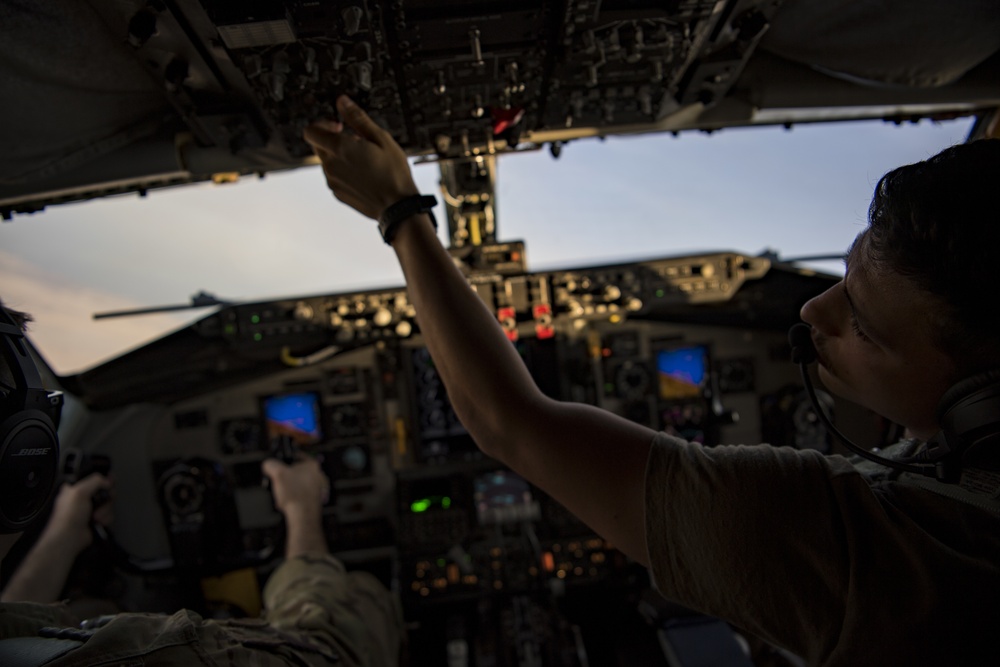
406, 208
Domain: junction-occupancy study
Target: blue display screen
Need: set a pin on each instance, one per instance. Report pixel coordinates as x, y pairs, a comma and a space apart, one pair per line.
682, 371
294, 415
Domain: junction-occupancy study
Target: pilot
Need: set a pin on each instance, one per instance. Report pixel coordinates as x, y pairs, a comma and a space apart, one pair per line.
837, 565
316, 612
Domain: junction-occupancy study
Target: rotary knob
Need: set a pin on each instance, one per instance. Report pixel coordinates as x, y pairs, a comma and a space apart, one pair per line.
304, 311
382, 317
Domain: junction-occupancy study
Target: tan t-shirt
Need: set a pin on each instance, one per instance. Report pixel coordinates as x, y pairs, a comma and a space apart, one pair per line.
808, 553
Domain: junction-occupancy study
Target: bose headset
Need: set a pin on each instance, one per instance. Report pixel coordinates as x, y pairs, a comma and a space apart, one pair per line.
968, 413
29, 447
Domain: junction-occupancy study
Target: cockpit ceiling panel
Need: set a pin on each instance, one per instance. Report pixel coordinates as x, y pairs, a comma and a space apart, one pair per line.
134, 95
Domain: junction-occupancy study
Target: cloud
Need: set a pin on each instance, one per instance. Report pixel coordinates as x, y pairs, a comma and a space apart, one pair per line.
284, 235
63, 329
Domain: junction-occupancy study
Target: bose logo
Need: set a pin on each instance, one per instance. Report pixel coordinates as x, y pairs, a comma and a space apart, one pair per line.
41, 451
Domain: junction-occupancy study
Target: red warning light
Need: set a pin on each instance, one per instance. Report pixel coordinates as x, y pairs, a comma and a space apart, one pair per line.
508, 319
506, 118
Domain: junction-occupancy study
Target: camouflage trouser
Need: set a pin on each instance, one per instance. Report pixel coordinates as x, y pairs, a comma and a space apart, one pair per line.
317, 614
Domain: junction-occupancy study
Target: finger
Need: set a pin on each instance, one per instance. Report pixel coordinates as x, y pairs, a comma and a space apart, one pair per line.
305, 461
354, 117
321, 153
328, 134
272, 467
329, 125
64, 492
319, 130
321, 139
92, 483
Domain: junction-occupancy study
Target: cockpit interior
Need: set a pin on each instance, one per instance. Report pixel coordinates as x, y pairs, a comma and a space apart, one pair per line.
143, 95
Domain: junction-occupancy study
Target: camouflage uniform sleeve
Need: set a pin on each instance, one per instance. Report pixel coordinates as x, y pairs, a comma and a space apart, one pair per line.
24, 619
349, 613
318, 614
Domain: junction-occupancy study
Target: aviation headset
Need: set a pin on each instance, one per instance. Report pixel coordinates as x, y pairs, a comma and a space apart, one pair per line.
29, 447
968, 413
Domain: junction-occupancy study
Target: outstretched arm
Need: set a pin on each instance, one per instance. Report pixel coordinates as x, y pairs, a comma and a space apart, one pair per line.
590, 460
299, 492
42, 575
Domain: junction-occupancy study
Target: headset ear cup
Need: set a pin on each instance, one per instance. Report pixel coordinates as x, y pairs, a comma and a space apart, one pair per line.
963, 388
969, 415
29, 464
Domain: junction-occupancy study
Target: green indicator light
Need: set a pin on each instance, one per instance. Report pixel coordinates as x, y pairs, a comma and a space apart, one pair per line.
446, 502
419, 506
441, 562
255, 319
660, 293
258, 336
230, 329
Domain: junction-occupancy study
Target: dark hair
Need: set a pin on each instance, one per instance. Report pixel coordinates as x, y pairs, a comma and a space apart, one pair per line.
937, 222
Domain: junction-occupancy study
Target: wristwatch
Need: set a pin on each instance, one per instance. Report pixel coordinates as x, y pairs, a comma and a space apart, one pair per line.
392, 217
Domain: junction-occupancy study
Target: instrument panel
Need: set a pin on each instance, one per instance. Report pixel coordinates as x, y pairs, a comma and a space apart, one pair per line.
207, 90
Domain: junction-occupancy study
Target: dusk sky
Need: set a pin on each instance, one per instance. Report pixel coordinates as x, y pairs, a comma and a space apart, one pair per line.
799, 192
